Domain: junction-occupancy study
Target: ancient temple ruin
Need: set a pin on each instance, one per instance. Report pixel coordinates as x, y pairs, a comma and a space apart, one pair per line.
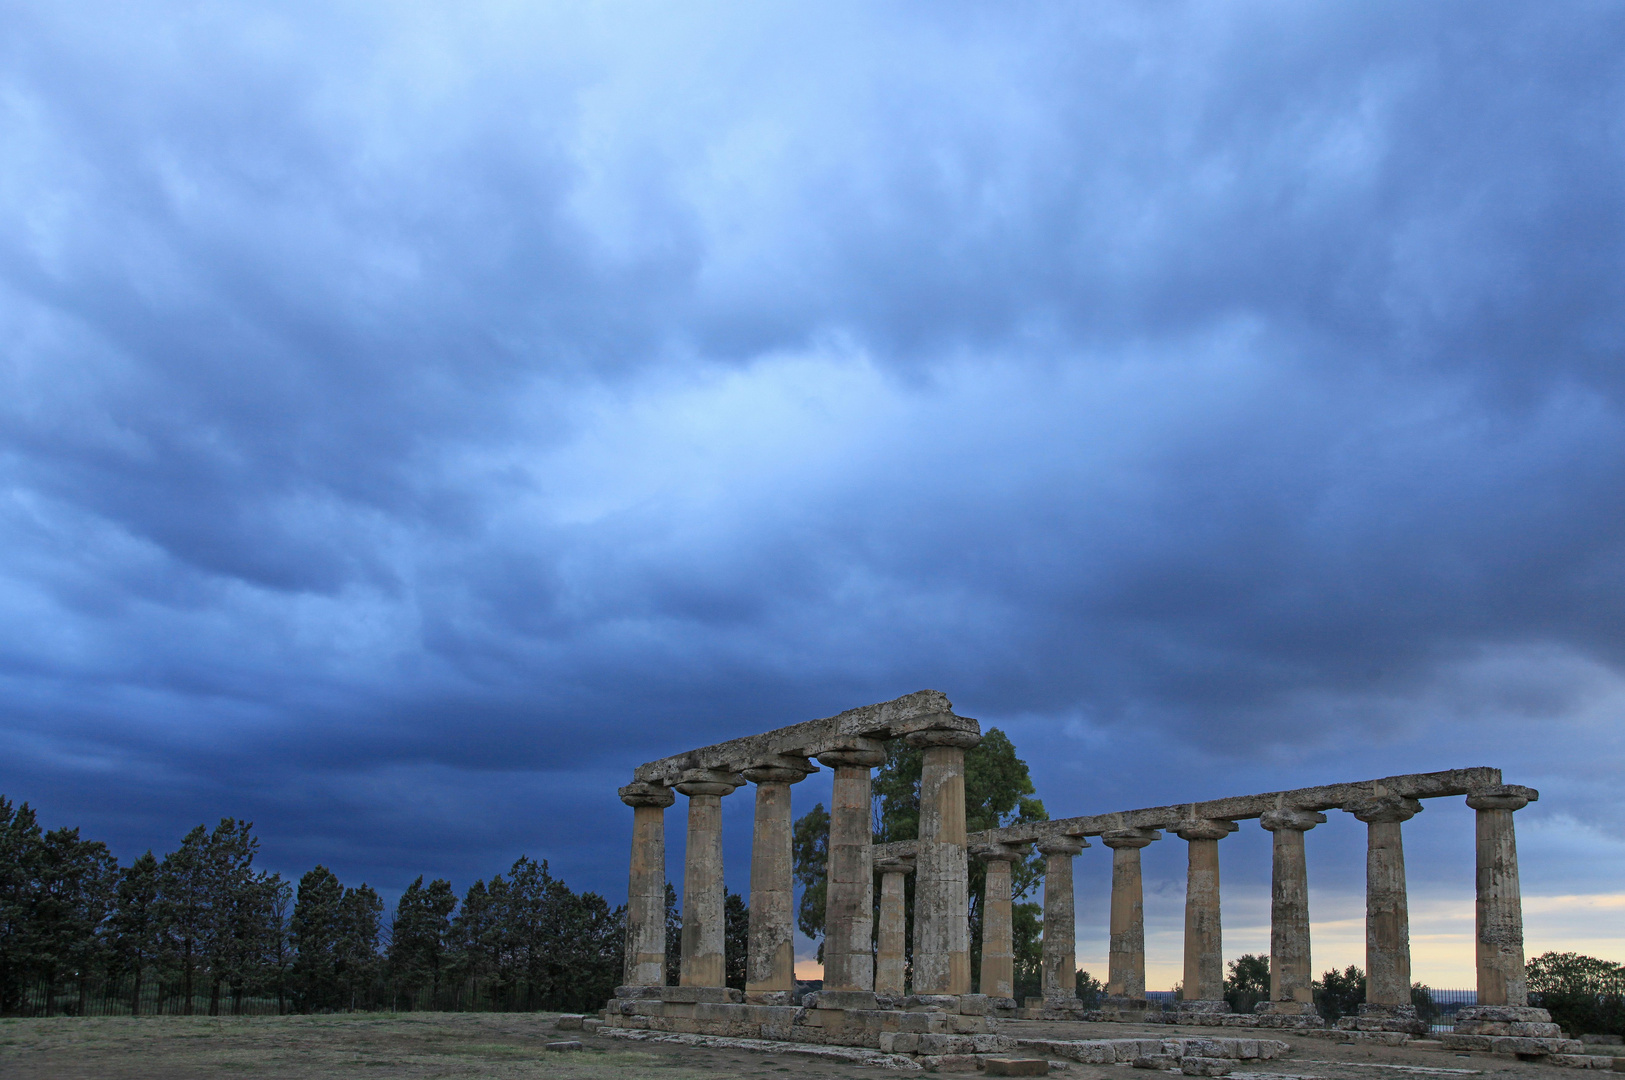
864, 1001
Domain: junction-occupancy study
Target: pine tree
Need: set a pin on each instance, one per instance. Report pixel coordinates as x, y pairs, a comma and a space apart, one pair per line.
137, 930
419, 937
20, 842
315, 932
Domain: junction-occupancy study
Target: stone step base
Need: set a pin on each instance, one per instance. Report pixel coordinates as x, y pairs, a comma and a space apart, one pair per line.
1588, 1061
1512, 1044
1127, 1051
1367, 1038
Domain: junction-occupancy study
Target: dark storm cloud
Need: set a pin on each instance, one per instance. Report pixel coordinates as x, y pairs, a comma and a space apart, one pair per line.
412, 421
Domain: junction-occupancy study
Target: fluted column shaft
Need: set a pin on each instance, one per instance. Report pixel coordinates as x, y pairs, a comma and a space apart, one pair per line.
849, 963
1060, 960
770, 956
1290, 972
646, 888
1204, 938
1387, 912
1126, 962
941, 883
891, 935
1498, 912
998, 944
704, 931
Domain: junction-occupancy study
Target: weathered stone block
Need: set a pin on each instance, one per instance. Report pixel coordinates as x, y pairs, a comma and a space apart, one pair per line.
590, 1025
1535, 1030
1164, 1062
569, 1022
950, 1062
1016, 1066
1504, 1013
1206, 1066
569, 1044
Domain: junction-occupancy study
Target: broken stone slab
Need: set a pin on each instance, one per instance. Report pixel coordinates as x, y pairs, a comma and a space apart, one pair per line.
1367, 1038
1504, 1013
1206, 1066
853, 1054
569, 1044
1162, 1062
966, 1063
1512, 1044
1587, 1061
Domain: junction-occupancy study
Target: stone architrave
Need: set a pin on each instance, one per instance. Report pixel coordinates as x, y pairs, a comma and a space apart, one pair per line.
998, 975
891, 961
703, 927
1126, 962
770, 957
1290, 972
1204, 939
1498, 915
1059, 974
646, 890
941, 876
1387, 912
849, 962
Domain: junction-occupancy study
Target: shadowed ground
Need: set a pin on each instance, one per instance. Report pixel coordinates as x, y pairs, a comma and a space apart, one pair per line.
507, 1045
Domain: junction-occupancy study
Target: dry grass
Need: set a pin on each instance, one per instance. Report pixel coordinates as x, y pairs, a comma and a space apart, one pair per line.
413, 1045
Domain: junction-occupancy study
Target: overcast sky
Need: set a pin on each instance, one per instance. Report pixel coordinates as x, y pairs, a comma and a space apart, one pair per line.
412, 417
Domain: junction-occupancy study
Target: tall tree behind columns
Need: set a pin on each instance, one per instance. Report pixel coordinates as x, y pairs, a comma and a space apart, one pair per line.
998, 791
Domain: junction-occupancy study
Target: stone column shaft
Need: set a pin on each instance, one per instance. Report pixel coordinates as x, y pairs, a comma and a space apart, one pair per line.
703, 928
646, 889
891, 954
1290, 971
1060, 960
941, 883
1387, 912
771, 957
1126, 962
849, 963
1498, 912
998, 932
1204, 939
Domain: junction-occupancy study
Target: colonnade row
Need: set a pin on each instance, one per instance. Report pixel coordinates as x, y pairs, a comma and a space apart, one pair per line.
862, 959
1498, 909
852, 971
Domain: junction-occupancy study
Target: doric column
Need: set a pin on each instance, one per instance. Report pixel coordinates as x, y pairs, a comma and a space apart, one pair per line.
1126, 962
1204, 940
891, 955
703, 928
1290, 974
998, 945
1060, 957
770, 960
849, 963
941, 885
1499, 911
1387, 915
646, 890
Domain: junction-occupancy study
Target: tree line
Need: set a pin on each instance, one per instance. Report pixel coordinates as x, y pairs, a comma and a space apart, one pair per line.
201, 929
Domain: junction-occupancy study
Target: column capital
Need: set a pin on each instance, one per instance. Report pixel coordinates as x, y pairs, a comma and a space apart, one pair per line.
1204, 829
942, 737
1129, 838
1384, 809
904, 865
866, 753
708, 782
1001, 852
1291, 819
778, 769
638, 793
1502, 797
1061, 844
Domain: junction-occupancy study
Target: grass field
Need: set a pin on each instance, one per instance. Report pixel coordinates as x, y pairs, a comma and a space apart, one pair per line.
373, 1046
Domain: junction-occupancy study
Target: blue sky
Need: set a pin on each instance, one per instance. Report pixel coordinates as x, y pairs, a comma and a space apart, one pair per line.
412, 418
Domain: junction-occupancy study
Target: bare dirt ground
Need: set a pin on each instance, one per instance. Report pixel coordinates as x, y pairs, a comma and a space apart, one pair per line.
505, 1045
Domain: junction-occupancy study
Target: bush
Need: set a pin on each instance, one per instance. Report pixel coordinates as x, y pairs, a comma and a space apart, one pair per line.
1585, 995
